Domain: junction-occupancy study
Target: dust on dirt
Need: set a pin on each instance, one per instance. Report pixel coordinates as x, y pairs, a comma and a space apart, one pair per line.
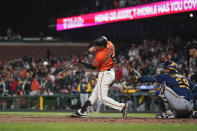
5, 118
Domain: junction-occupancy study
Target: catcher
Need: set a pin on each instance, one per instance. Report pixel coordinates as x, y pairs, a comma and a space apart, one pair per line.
176, 98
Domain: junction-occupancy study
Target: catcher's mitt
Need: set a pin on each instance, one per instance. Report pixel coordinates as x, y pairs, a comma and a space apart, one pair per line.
134, 75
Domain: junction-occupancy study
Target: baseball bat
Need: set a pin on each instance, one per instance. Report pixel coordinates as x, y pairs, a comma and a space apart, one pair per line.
65, 67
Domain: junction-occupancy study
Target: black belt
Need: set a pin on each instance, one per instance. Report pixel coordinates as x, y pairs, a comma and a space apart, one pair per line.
110, 69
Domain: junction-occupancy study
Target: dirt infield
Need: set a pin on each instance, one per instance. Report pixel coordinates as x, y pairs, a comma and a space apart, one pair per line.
4, 118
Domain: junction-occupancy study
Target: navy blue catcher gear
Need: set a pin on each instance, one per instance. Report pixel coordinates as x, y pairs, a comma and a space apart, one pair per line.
172, 66
100, 41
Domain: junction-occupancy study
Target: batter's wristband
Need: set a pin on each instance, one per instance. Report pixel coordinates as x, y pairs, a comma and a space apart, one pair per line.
88, 65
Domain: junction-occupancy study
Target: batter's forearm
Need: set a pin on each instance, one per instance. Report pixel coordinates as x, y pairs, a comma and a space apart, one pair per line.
88, 65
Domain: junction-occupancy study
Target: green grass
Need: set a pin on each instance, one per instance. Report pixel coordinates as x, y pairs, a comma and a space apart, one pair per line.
63, 114
19, 126
83, 126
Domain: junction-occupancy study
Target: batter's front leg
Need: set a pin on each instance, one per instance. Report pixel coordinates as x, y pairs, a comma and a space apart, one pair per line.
103, 84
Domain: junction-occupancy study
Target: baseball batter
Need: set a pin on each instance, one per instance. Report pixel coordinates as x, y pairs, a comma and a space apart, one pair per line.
104, 61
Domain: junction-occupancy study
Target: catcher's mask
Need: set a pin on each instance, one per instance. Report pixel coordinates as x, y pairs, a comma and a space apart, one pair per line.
100, 41
171, 66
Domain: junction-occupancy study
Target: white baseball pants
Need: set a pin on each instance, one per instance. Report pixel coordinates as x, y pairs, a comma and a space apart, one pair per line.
105, 78
178, 103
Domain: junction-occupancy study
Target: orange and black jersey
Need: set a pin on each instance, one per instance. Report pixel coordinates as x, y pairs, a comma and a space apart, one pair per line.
105, 59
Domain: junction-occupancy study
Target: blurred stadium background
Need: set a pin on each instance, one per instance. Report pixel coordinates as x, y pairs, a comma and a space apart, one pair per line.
31, 49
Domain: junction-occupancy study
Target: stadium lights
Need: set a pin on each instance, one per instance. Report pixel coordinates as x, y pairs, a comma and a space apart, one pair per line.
191, 15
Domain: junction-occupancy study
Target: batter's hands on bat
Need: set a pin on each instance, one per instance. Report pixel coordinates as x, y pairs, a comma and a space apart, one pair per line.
134, 75
79, 60
82, 56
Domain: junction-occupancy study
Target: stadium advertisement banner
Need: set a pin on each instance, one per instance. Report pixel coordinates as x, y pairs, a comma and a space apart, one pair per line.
123, 14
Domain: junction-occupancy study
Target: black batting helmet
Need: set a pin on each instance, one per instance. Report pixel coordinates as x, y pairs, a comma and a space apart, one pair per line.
100, 41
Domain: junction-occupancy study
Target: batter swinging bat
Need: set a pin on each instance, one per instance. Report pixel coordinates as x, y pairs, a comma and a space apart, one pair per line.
76, 60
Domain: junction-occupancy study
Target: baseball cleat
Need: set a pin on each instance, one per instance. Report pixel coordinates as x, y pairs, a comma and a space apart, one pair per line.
78, 114
165, 116
124, 111
194, 114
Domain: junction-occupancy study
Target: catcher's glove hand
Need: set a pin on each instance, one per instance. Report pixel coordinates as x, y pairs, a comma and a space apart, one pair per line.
134, 75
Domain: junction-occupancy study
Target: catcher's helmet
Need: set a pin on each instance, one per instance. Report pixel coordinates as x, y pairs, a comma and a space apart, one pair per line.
100, 41
172, 66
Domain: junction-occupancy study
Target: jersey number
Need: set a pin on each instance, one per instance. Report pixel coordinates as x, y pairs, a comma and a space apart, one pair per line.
183, 82
113, 57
